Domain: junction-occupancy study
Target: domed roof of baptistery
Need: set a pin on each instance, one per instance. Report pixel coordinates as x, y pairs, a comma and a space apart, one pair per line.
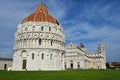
40, 15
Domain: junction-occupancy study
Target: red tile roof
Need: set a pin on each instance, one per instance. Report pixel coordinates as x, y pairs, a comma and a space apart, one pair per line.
40, 14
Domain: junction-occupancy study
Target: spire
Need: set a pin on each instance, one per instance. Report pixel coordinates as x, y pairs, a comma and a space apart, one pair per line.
81, 45
101, 48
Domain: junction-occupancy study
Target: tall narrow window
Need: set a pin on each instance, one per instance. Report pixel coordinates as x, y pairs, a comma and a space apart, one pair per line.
33, 56
41, 27
39, 41
50, 56
26, 29
42, 56
51, 42
65, 65
49, 28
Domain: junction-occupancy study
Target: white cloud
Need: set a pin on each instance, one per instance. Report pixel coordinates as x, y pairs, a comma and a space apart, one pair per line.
59, 9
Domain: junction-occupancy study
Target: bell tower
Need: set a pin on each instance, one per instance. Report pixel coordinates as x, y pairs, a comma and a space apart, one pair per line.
102, 52
101, 48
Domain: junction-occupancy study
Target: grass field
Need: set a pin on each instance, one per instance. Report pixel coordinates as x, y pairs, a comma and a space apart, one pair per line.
61, 75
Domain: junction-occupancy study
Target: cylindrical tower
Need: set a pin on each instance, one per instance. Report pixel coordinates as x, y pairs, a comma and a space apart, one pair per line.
102, 52
39, 42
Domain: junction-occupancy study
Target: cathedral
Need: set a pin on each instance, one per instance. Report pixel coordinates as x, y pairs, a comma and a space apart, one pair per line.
39, 44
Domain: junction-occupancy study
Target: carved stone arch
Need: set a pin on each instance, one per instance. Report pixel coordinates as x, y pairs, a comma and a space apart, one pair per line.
42, 51
23, 54
32, 51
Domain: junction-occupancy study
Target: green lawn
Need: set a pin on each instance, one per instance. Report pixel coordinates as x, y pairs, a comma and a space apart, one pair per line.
61, 75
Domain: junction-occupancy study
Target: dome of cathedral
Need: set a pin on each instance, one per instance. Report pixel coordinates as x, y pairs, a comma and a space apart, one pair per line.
40, 14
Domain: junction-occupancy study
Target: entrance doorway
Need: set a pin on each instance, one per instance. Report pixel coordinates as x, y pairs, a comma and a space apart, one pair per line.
78, 65
5, 66
65, 65
24, 64
71, 65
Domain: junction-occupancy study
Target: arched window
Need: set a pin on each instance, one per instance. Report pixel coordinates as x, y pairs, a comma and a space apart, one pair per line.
26, 29
42, 56
33, 28
33, 56
41, 27
39, 41
50, 56
49, 28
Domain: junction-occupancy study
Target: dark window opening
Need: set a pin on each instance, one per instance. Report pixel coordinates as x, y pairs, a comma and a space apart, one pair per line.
50, 56
5, 66
39, 41
71, 65
42, 56
65, 66
32, 55
41, 27
62, 54
49, 28
51, 42
98, 67
78, 66
24, 64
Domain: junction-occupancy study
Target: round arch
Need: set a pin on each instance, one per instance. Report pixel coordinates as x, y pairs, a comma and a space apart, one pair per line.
23, 54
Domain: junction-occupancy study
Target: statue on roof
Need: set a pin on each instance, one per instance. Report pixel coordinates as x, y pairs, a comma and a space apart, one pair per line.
81, 45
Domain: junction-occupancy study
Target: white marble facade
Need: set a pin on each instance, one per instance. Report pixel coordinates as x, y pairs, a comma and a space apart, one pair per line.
5, 63
40, 45
76, 57
41, 49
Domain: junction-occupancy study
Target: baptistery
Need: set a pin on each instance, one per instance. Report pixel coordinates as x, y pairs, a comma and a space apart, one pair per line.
39, 42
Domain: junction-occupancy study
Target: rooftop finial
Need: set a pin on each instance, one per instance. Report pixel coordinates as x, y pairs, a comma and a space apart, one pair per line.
41, 8
43, 1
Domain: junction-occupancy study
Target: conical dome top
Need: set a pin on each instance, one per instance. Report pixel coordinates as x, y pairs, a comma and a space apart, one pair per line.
40, 15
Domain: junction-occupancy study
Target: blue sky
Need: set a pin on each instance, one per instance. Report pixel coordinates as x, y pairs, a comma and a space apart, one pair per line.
86, 21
